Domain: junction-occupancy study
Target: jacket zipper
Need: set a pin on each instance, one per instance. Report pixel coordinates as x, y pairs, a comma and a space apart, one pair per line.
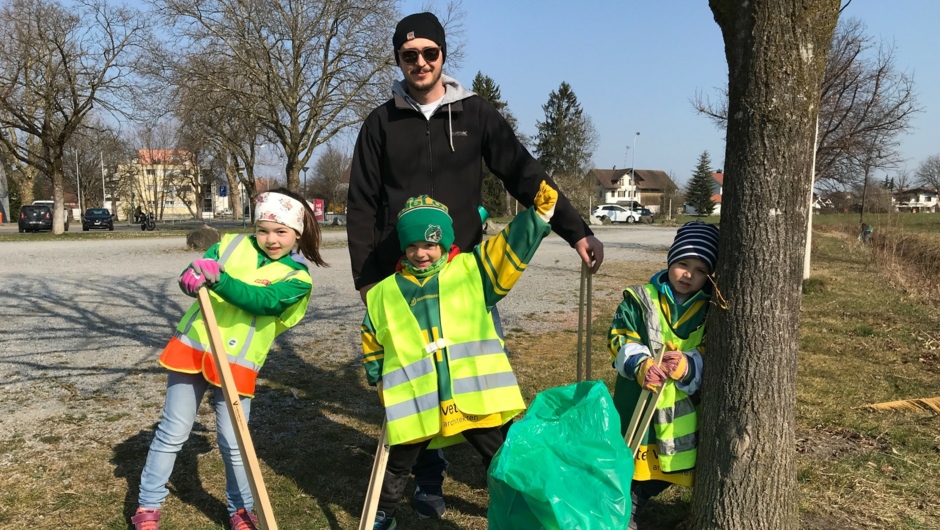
430, 160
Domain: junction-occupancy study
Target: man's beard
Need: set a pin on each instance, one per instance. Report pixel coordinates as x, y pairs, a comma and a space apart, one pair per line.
425, 86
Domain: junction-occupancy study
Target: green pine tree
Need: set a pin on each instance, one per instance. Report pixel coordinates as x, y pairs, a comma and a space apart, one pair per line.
495, 199
700, 189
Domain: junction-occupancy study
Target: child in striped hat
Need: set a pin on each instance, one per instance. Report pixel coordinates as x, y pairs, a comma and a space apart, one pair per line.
667, 314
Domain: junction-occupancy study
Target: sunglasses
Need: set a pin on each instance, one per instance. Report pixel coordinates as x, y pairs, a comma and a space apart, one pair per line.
411, 56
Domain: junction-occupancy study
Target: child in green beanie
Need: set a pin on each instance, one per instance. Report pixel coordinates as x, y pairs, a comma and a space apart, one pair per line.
429, 342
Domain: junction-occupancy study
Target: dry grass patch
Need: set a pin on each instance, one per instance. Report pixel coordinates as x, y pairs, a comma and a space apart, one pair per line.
316, 422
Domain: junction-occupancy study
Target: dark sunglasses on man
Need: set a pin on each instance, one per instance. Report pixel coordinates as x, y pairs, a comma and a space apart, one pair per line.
411, 56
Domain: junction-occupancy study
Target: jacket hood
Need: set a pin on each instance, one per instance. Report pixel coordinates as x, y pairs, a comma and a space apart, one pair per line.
453, 91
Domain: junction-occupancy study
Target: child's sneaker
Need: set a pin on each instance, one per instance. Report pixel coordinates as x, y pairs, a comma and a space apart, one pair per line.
382, 522
146, 519
244, 520
429, 502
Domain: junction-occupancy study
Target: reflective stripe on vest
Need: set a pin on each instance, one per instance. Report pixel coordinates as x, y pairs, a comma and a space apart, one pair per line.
675, 421
482, 381
247, 338
409, 375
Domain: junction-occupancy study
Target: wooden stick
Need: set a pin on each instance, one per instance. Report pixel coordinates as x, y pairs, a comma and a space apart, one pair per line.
581, 318
643, 413
235, 412
371, 504
590, 314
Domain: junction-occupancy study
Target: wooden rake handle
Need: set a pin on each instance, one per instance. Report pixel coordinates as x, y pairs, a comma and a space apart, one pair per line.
371, 504
584, 347
643, 414
235, 412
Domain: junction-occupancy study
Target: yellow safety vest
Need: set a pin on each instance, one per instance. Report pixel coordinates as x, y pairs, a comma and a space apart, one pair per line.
675, 421
246, 338
482, 381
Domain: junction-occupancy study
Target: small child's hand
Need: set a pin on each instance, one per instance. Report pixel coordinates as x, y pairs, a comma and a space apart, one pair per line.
208, 269
650, 376
544, 202
191, 282
675, 364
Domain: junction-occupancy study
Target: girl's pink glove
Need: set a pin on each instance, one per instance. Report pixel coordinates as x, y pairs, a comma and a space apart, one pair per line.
208, 269
191, 282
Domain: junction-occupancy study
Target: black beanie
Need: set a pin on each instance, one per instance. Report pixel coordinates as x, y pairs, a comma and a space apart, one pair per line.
419, 26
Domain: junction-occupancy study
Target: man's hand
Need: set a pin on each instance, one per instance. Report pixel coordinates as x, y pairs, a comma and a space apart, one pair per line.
364, 291
591, 251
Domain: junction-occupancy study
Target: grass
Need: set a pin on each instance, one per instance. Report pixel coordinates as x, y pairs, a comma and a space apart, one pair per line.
863, 340
162, 231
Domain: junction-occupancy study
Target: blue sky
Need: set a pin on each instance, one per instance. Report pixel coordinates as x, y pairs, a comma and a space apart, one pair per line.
635, 66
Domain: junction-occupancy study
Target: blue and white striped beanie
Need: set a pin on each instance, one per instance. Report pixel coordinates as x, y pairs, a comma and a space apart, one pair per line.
695, 239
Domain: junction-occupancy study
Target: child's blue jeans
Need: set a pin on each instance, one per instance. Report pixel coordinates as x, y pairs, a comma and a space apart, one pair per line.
183, 394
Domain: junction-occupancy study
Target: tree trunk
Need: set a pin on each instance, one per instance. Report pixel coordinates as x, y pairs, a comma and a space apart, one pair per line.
746, 467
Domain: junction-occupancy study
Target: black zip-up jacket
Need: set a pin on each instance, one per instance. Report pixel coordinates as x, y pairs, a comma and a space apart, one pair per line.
399, 154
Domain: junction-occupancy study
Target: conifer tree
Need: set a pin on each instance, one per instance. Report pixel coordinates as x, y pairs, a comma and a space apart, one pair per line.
700, 190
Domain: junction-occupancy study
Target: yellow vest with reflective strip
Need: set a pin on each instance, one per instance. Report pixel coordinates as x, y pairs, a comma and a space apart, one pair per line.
676, 419
482, 381
246, 338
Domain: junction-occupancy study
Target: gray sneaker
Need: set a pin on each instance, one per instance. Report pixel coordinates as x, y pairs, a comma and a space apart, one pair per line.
429, 502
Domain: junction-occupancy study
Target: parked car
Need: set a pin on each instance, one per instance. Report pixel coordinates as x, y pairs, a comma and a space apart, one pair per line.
616, 214
35, 217
646, 212
97, 218
51, 206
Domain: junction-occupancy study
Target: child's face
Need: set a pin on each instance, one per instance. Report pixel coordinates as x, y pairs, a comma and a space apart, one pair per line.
423, 254
687, 276
275, 239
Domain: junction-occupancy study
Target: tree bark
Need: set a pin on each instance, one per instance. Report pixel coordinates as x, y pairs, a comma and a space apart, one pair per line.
746, 468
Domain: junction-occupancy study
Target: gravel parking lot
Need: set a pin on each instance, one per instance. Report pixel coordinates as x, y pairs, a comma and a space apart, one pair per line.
82, 322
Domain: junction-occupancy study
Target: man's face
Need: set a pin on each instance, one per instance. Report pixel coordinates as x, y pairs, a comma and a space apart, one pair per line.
421, 76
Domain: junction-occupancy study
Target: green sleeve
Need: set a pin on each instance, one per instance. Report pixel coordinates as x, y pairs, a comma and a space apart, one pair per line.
504, 257
373, 355
267, 300
628, 325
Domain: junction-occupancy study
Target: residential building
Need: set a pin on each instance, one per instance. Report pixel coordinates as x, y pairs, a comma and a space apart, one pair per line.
640, 188
168, 183
916, 200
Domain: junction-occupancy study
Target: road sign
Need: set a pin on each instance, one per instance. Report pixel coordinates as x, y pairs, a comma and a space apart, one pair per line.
223, 191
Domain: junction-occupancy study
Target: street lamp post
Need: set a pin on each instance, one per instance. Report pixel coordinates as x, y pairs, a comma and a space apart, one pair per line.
305, 168
633, 164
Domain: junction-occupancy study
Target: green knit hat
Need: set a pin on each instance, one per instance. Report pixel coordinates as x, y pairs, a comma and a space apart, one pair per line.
424, 219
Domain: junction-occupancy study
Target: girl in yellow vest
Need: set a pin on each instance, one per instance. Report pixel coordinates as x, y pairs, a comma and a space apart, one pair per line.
669, 314
259, 286
429, 342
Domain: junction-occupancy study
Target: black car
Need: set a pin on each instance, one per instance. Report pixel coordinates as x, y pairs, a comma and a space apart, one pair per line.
34, 218
97, 218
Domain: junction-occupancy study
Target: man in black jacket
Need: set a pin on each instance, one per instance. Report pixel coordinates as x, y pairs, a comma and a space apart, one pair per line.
432, 138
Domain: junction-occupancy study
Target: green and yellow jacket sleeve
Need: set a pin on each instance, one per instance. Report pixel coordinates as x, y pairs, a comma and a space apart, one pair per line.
628, 325
504, 257
372, 352
268, 300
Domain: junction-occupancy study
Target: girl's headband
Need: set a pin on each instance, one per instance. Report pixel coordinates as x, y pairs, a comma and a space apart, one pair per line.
280, 209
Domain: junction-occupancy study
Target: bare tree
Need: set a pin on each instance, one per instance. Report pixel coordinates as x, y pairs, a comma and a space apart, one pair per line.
327, 176
312, 68
746, 465
903, 179
863, 95
56, 63
928, 172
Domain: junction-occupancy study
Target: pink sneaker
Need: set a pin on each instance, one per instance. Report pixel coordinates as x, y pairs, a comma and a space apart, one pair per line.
244, 520
146, 519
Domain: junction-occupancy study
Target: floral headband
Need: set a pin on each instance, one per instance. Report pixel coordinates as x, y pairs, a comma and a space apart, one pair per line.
280, 209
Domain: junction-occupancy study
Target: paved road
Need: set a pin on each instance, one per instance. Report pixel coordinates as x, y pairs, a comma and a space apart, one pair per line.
82, 319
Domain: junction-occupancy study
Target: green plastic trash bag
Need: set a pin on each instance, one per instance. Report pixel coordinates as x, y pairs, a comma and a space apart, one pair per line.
564, 466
